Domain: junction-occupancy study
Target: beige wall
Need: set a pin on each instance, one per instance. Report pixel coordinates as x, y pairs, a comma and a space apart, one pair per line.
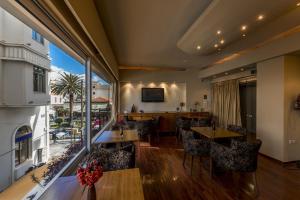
278, 84
270, 107
131, 94
292, 116
195, 88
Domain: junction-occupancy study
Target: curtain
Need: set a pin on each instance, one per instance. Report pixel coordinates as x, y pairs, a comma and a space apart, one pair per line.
226, 103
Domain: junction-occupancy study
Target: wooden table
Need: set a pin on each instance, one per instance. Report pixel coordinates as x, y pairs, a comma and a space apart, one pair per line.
142, 118
218, 133
108, 137
115, 136
121, 185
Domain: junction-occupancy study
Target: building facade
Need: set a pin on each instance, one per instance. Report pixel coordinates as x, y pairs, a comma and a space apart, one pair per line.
24, 98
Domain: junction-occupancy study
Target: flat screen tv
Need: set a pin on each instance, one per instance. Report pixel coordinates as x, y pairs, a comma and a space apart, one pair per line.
153, 95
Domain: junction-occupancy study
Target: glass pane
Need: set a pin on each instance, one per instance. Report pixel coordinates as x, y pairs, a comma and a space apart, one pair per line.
101, 103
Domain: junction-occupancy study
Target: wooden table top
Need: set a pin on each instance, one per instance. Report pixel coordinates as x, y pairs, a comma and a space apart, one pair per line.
142, 118
219, 133
195, 117
122, 185
115, 136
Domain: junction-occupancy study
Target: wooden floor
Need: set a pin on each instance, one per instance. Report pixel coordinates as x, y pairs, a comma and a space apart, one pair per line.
164, 177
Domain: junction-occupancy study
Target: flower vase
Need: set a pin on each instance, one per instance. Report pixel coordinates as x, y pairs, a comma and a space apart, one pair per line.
91, 195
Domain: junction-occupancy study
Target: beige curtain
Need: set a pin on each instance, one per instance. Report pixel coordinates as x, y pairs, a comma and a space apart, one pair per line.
226, 103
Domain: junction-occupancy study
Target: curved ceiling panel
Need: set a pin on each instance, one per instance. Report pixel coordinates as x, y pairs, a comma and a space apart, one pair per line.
226, 21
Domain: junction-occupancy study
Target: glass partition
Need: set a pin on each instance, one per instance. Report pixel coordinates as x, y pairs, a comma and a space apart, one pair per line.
102, 104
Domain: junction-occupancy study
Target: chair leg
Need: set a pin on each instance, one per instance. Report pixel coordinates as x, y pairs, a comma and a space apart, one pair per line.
192, 165
184, 157
256, 189
177, 135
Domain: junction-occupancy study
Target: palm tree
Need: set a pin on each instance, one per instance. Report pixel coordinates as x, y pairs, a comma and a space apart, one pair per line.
67, 85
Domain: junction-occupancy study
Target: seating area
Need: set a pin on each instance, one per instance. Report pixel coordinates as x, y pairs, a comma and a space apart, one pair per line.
170, 100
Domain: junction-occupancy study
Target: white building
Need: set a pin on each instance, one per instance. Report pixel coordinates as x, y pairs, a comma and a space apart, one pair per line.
99, 90
24, 96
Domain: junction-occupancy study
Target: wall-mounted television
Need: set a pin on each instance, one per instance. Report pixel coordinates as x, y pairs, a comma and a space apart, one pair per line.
153, 95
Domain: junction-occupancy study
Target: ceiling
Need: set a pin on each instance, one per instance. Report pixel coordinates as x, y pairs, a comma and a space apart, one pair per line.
166, 33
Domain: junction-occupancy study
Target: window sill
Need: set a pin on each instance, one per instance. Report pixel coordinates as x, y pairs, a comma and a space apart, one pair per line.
25, 163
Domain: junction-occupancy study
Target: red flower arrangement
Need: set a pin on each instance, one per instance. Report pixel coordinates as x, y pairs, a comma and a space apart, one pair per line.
90, 175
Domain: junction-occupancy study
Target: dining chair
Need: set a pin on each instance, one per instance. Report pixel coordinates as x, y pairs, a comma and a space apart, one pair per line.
112, 159
238, 129
156, 126
240, 157
145, 128
184, 124
194, 147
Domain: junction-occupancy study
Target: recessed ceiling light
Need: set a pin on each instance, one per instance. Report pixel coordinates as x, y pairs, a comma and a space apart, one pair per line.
260, 17
244, 35
216, 45
242, 69
298, 4
219, 32
243, 27
198, 47
222, 41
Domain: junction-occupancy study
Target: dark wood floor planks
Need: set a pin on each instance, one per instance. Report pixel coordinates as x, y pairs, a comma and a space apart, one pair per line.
165, 178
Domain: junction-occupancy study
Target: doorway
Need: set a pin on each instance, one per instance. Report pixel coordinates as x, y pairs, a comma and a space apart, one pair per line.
248, 105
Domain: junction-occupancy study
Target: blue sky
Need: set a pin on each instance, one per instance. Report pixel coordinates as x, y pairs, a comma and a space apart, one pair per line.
63, 62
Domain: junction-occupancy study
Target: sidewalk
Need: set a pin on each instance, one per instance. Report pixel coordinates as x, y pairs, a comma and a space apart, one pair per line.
22, 186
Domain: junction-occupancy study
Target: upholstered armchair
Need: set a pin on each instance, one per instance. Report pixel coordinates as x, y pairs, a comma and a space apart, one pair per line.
156, 126
194, 147
182, 124
145, 128
113, 159
238, 129
241, 156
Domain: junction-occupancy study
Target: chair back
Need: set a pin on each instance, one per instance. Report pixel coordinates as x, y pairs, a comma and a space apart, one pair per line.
187, 136
186, 124
245, 155
179, 122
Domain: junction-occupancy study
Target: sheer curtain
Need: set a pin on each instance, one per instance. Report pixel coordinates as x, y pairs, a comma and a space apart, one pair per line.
226, 103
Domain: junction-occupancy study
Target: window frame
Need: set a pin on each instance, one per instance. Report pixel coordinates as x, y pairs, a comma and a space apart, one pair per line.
37, 37
41, 79
27, 141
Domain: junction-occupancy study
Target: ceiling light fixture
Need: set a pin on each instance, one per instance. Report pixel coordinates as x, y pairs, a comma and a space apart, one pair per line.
216, 45
222, 41
198, 47
260, 17
243, 28
244, 35
242, 69
219, 32
298, 4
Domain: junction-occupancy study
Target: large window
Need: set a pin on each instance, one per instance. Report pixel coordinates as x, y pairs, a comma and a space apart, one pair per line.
101, 103
23, 145
37, 37
39, 79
